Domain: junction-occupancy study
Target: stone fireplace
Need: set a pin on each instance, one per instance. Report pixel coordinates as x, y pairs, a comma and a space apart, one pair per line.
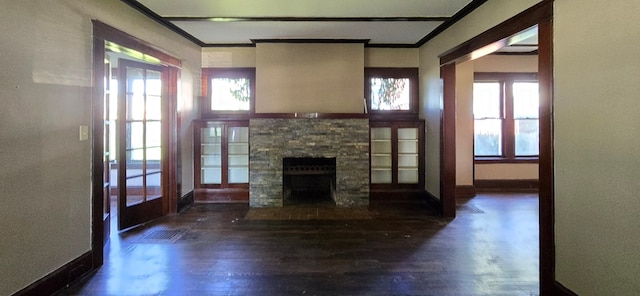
309, 180
273, 140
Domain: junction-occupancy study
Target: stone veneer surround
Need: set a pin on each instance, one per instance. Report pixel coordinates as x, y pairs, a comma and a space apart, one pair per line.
272, 139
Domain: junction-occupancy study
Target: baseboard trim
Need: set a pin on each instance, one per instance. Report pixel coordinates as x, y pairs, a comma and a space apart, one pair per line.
60, 278
465, 191
561, 290
185, 201
432, 200
521, 185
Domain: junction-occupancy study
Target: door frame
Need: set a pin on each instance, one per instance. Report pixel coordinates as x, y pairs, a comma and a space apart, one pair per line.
101, 33
540, 14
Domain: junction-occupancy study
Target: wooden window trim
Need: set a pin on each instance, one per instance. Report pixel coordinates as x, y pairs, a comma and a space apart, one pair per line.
410, 73
205, 99
506, 113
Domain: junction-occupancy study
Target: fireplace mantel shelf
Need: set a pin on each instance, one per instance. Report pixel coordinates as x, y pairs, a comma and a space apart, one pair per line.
311, 115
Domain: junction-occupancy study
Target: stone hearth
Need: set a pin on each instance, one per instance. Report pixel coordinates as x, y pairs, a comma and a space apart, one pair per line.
273, 139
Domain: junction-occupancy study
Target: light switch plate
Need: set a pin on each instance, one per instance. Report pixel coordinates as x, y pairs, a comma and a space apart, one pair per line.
84, 132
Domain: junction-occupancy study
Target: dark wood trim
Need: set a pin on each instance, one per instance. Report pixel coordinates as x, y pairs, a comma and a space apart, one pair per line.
546, 158
106, 32
510, 76
522, 185
524, 20
226, 195
185, 201
465, 191
454, 19
561, 290
205, 101
159, 19
495, 160
448, 141
98, 236
61, 277
540, 14
310, 40
311, 115
410, 73
432, 200
305, 19
229, 45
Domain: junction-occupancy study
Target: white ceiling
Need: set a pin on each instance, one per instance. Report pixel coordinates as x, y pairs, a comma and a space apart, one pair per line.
238, 22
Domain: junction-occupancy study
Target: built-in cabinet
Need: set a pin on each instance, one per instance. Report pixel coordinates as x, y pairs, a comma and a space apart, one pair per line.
221, 150
397, 158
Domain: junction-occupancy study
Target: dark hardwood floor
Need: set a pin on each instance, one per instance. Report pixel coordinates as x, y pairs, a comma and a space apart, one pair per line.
212, 249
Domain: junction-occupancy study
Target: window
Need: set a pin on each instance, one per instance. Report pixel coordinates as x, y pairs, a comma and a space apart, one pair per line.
391, 91
228, 91
505, 110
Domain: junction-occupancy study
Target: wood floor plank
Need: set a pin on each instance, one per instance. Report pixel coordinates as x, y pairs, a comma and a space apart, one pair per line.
391, 250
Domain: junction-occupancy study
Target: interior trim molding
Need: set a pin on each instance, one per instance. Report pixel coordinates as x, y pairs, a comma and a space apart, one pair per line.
61, 277
432, 200
523, 185
185, 201
311, 115
465, 191
561, 290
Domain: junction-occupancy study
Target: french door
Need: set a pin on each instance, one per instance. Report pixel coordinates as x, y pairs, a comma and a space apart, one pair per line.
142, 142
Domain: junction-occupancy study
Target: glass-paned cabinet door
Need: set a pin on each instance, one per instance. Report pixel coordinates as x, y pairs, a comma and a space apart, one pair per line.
238, 154
211, 154
381, 155
408, 155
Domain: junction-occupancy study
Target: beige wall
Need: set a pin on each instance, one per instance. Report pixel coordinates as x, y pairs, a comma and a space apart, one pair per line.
597, 135
45, 95
486, 16
464, 124
228, 57
391, 57
503, 63
301, 77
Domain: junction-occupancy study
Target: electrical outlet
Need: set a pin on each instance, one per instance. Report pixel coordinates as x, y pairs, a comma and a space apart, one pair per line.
84, 132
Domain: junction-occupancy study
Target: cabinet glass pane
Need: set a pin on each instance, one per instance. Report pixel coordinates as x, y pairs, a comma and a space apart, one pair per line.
238, 175
211, 176
378, 161
238, 134
381, 176
408, 133
381, 133
408, 160
408, 176
238, 148
407, 146
238, 160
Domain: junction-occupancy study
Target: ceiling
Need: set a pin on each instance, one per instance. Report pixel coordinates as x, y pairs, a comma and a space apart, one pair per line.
377, 23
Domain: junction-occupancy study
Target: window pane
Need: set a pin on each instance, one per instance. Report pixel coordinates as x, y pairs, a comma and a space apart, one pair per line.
527, 135
486, 100
230, 94
488, 137
525, 99
390, 93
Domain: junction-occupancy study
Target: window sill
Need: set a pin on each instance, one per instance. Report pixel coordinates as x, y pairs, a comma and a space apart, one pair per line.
490, 160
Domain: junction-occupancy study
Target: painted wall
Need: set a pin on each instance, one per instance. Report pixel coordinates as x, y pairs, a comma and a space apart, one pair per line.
486, 16
597, 135
45, 95
464, 124
303, 77
391, 57
502, 63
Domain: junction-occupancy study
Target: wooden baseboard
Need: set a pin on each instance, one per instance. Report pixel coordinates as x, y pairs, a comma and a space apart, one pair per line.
465, 191
432, 200
221, 195
506, 185
61, 277
561, 290
185, 201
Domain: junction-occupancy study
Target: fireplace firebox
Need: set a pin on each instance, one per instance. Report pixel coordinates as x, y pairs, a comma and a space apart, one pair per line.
309, 180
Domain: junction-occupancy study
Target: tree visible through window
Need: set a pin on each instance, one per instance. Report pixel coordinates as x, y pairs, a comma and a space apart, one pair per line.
230, 94
392, 91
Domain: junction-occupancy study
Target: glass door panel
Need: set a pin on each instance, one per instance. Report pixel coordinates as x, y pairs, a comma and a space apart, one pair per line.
408, 155
211, 154
238, 154
381, 164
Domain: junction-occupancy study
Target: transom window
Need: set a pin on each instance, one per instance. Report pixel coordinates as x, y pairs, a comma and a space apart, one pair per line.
228, 90
391, 91
505, 109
